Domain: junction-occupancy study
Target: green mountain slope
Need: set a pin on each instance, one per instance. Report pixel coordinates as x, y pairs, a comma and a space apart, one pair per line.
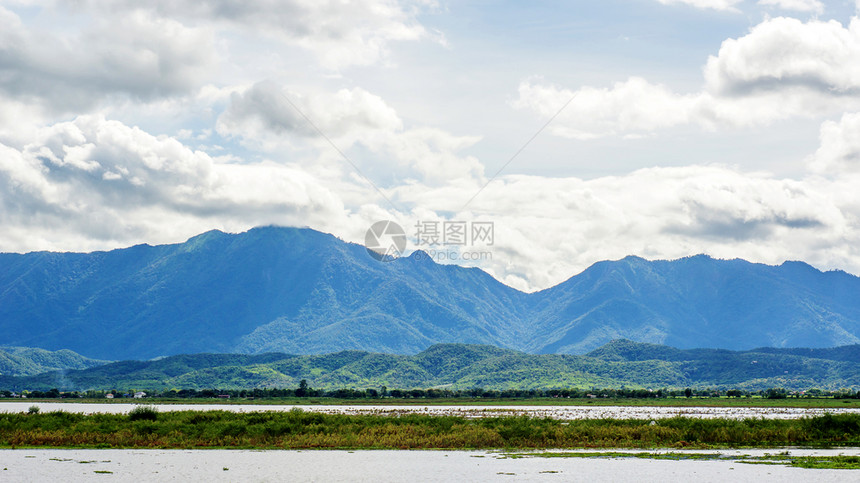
463, 366
27, 361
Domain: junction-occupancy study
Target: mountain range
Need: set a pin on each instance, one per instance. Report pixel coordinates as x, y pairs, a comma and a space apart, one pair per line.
619, 363
299, 291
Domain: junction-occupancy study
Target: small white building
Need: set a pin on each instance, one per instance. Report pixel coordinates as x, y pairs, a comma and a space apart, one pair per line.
109, 395
139, 395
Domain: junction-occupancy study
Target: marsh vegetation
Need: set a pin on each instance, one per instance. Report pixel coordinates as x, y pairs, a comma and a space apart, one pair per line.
299, 429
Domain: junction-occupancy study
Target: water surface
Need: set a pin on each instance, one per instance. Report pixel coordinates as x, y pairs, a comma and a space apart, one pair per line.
555, 412
37, 465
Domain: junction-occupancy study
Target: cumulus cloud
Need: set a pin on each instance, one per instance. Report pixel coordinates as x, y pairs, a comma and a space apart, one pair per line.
268, 109
137, 55
726, 207
839, 151
340, 33
106, 182
797, 5
785, 52
728, 5
548, 229
634, 106
269, 115
783, 68
434, 155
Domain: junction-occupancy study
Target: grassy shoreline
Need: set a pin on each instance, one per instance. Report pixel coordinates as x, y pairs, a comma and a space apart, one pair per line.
308, 430
784, 458
660, 402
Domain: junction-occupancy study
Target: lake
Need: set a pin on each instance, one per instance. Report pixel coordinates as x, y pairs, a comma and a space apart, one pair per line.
37, 465
335, 465
555, 412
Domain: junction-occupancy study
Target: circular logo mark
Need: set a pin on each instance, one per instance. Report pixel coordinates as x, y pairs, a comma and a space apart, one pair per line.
385, 240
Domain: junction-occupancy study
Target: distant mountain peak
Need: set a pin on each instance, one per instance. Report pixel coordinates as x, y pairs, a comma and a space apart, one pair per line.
799, 264
421, 256
208, 235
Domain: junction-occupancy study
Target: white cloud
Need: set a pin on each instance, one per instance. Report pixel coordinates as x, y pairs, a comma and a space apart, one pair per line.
785, 52
266, 111
728, 5
783, 68
548, 229
263, 116
136, 55
634, 107
104, 182
433, 154
340, 33
839, 152
814, 6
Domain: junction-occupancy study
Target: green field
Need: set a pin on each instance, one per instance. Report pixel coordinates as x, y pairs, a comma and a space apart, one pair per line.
147, 428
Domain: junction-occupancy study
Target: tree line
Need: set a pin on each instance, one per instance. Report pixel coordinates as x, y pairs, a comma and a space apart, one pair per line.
305, 391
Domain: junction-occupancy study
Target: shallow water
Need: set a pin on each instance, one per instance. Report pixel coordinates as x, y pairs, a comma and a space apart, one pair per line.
555, 412
24, 465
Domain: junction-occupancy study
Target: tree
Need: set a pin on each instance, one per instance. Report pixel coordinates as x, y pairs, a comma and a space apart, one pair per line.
302, 391
775, 393
688, 392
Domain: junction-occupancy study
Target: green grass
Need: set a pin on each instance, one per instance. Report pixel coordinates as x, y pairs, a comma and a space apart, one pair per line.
298, 429
143, 413
841, 462
606, 454
826, 462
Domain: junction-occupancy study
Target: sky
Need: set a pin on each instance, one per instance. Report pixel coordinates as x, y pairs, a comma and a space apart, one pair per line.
581, 131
